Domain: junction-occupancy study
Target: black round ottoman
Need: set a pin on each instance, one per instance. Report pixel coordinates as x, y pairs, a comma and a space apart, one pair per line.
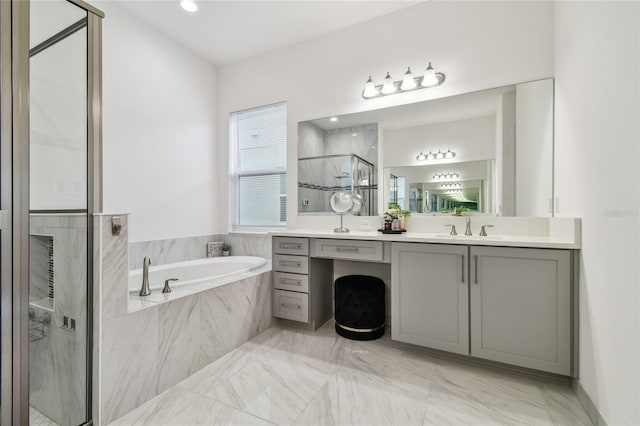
359, 307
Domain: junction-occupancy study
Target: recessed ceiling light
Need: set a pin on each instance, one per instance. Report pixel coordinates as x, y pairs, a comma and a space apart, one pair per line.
333, 119
189, 5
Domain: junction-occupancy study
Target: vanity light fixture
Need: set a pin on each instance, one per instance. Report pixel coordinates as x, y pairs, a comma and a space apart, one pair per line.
451, 186
430, 77
409, 82
449, 176
388, 86
437, 156
189, 5
370, 89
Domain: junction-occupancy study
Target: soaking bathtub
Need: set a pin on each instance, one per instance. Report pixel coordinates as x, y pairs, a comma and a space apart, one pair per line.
198, 275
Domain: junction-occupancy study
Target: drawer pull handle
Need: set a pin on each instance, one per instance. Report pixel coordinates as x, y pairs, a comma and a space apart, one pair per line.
290, 305
290, 263
290, 246
463, 268
290, 282
347, 249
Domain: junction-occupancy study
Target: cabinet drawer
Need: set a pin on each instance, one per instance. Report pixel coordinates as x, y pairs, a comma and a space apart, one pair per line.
292, 282
348, 249
288, 263
288, 245
291, 305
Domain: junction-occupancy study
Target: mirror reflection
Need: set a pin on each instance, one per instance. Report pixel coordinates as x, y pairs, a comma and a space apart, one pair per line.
424, 190
486, 152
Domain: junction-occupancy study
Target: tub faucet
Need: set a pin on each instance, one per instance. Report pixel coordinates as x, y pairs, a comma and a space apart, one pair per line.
468, 230
166, 288
145, 291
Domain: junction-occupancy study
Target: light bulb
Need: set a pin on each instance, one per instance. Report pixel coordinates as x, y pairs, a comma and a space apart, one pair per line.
421, 157
408, 82
439, 155
430, 78
387, 85
333, 119
370, 89
450, 154
189, 5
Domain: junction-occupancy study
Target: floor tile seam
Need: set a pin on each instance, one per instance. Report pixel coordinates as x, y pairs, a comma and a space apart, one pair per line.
251, 355
183, 390
316, 395
237, 409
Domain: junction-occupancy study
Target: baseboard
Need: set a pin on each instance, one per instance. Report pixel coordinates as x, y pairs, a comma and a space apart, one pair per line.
588, 405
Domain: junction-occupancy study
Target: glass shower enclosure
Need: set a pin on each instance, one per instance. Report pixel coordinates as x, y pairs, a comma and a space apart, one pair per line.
319, 177
50, 188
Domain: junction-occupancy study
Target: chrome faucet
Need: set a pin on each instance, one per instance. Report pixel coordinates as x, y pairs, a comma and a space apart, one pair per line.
483, 232
166, 288
453, 230
468, 230
145, 291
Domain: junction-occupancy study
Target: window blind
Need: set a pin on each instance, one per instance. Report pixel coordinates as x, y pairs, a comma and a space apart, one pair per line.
261, 162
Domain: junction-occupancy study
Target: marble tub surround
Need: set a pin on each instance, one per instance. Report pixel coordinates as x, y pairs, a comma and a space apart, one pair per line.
248, 244
170, 250
147, 345
146, 352
175, 250
506, 231
289, 376
112, 267
57, 362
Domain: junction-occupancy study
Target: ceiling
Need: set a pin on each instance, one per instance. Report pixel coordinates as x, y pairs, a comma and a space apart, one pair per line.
228, 31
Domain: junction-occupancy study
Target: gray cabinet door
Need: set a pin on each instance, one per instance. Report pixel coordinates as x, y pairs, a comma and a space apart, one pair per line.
521, 307
430, 296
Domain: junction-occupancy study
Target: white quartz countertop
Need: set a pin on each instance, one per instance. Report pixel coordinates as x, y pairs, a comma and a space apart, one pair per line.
423, 237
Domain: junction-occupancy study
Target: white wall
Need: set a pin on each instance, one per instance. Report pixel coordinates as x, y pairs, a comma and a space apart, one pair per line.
471, 140
596, 178
477, 45
159, 112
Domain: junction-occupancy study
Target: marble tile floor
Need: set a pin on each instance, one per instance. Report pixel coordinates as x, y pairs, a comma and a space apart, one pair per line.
36, 418
288, 376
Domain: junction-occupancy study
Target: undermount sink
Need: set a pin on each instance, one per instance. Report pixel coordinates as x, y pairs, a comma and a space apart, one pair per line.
469, 237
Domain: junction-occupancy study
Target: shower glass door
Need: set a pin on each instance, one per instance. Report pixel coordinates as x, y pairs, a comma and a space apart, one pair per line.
58, 238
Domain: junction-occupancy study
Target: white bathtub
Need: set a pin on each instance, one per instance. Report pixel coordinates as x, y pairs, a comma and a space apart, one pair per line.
205, 273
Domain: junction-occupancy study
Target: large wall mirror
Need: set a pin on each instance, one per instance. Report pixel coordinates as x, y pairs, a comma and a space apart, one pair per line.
487, 152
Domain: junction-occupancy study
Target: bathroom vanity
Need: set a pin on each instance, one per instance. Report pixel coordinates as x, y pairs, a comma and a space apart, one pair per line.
504, 299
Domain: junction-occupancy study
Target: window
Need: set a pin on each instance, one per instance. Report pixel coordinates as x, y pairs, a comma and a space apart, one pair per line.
258, 146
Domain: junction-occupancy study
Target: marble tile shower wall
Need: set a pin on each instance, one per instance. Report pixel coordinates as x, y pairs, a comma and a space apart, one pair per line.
57, 361
145, 352
174, 250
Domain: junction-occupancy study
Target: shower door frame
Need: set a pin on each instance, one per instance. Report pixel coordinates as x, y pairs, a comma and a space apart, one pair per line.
14, 199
